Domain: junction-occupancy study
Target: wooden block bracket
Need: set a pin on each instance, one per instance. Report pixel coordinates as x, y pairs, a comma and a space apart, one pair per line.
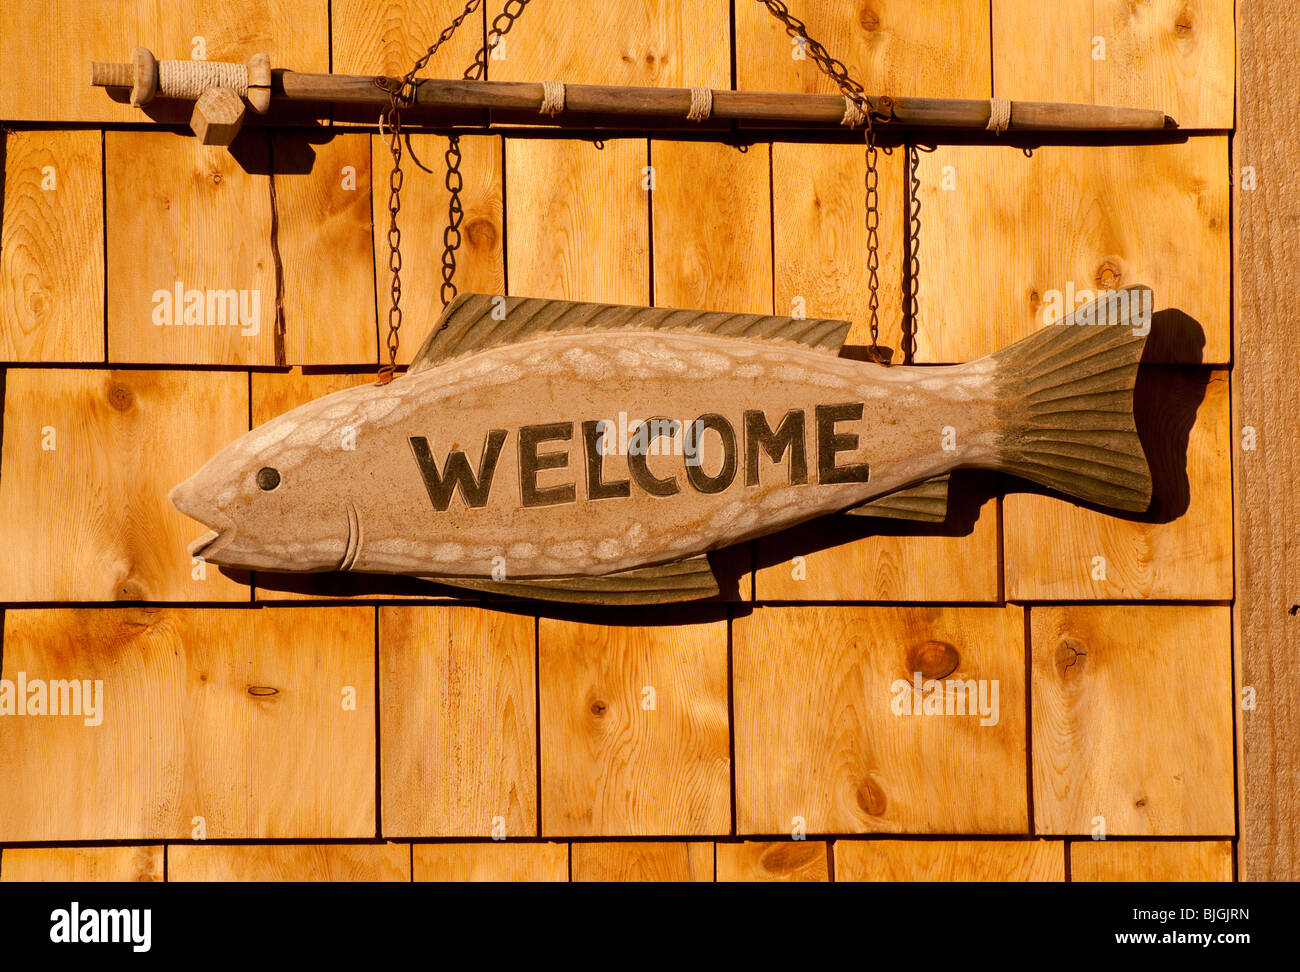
221, 91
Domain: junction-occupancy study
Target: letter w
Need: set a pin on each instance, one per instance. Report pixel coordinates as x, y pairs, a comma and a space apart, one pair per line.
457, 472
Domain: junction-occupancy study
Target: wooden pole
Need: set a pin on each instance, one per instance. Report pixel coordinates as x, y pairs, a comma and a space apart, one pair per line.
771, 107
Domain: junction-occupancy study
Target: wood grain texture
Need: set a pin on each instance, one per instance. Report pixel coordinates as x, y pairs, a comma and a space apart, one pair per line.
82, 864
289, 862
1266, 399
819, 236
276, 392
839, 559
495, 861
323, 194
642, 861
1181, 552
1010, 230
1174, 55
611, 764
817, 742
655, 43
931, 49
457, 724
774, 860
179, 211
46, 48
52, 247
388, 36
88, 458
1151, 860
480, 261
579, 219
712, 235
1132, 720
949, 860
233, 716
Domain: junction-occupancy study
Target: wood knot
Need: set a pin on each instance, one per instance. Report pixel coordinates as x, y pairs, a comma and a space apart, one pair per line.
599, 708
129, 590
783, 857
482, 233
120, 396
933, 659
1109, 274
1183, 22
868, 19
871, 798
1070, 655
262, 691
215, 177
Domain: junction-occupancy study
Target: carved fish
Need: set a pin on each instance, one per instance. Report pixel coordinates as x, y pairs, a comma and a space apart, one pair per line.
595, 452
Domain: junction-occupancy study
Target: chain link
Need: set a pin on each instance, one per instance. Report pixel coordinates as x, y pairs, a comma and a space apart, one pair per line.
501, 25
912, 251
882, 110
401, 94
477, 71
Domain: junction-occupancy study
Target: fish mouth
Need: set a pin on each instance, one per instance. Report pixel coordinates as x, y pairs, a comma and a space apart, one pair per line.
208, 546
187, 499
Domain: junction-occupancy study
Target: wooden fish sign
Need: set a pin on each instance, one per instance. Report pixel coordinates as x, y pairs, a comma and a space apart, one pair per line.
591, 452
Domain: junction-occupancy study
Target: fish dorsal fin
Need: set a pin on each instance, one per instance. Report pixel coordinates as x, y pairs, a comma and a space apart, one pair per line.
926, 502
476, 322
682, 580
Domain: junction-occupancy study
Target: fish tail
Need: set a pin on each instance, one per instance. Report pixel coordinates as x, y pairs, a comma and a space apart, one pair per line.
1067, 395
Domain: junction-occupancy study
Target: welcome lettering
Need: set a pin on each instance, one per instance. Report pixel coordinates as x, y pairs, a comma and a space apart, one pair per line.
546, 447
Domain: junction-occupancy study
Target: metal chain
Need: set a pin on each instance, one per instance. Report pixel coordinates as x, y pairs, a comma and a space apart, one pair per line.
872, 180
451, 235
401, 93
451, 238
501, 25
882, 110
912, 251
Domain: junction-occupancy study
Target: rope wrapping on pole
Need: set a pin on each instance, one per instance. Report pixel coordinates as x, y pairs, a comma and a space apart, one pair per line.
552, 97
999, 115
188, 80
853, 115
701, 104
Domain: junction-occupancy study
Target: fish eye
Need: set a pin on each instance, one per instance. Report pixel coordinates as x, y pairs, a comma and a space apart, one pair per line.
268, 478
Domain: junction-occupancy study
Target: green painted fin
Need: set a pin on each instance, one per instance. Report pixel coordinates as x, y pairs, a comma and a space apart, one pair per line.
476, 322
1067, 402
927, 502
682, 580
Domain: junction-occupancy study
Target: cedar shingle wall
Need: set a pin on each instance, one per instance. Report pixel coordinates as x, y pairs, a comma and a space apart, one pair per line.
259, 710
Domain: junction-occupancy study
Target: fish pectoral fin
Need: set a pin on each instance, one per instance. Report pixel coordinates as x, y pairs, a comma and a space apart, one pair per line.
926, 502
682, 580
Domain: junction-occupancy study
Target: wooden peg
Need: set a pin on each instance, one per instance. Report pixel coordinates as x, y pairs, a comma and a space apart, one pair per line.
140, 75
218, 115
259, 82
145, 83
